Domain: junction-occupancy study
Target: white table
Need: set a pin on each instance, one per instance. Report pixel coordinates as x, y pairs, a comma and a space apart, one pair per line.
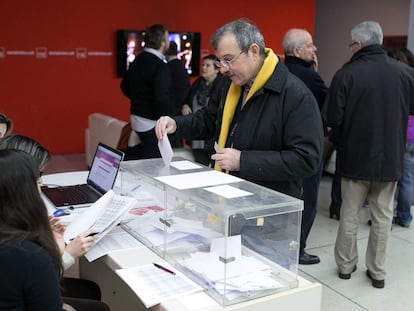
120, 297
117, 294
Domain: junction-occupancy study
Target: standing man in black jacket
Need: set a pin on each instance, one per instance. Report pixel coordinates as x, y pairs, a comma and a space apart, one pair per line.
300, 58
369, 101
148, 85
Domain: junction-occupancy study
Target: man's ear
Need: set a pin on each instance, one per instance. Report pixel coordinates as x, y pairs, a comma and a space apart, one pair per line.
295, 52
254, 50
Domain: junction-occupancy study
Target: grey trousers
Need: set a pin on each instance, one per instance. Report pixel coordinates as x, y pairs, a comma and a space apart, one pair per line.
380, 196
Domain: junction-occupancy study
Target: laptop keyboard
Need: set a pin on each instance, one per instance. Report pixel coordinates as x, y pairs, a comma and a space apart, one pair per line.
81, 194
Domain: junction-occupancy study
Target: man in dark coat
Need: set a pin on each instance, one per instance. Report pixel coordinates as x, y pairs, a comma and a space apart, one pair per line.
179, 76
369, 101
267, 124
148, 85
300, 58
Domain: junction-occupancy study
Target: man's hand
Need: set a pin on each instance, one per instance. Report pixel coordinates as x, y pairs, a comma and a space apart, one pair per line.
228, 159
165, 125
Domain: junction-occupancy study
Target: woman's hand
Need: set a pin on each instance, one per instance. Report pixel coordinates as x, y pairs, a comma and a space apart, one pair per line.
58, 229
81, 244
185, 109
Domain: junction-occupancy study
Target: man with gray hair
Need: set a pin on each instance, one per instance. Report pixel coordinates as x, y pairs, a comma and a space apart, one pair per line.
369, 101
301, 60
266, 124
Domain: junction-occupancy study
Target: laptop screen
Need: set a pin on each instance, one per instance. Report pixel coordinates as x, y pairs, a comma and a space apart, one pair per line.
104, 168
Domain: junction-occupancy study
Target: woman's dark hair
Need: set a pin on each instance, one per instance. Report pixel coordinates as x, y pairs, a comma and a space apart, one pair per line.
212, 57
154, 35
23, 215
32, 147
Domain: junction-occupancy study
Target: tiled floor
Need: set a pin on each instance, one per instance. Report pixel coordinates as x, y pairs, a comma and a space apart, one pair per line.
355, 294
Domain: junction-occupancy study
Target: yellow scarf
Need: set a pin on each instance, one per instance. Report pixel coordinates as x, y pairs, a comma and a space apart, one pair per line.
234, 93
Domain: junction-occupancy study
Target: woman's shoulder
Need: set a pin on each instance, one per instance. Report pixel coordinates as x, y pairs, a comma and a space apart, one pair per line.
24, 249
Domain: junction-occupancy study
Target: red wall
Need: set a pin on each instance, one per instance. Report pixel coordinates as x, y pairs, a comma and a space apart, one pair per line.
49, 99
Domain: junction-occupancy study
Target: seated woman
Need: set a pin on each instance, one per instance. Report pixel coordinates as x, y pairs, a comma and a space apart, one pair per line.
30, 262
80, 293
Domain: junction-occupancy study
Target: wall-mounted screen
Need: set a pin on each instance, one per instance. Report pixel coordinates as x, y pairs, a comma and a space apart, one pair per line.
131, 42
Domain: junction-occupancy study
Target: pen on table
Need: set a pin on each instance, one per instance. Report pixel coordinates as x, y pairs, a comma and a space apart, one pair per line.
90, 234
163, 268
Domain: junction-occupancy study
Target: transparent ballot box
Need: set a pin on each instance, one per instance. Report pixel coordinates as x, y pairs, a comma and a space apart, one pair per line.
236, 239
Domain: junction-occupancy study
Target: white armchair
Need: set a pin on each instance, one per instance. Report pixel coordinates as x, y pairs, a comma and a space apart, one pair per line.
110, 131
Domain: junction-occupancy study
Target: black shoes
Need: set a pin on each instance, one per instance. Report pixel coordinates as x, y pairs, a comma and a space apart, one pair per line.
308, 259
346, 276
374, 282
333, 214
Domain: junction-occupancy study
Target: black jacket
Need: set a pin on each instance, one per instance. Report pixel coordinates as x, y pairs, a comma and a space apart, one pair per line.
309, 76
368, 105
148, 85
279, 132
180, 83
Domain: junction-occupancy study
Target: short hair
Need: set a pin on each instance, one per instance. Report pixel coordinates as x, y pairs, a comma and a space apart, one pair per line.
23, 214
154, 35
293, 39
212, 57
245, 32
28, 145
368, 33
8, 122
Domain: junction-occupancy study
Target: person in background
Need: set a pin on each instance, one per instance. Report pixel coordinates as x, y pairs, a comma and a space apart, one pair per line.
203, 87
80, 293
301, 60
369, 101
180, 82
267, 124
30, 262
179, 76
403, 216
6, 125
148, 85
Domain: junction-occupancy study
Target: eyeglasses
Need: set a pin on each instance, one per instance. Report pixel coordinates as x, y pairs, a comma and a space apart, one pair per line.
227, 63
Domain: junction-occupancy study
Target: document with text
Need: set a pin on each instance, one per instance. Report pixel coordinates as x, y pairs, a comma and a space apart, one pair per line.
153, 284
101, 217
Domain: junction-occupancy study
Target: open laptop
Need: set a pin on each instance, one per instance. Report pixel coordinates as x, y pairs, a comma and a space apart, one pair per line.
101, 178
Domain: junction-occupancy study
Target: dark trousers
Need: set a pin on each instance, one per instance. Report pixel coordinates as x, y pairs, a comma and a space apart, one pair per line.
148, 148
310, 201
336, 195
